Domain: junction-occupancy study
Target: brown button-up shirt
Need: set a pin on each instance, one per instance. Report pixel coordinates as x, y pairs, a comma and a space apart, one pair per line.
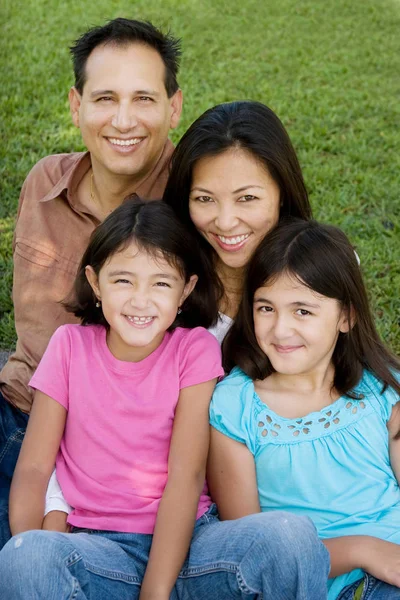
51, 235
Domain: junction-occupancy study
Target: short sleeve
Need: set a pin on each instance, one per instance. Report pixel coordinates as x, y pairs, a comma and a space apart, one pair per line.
231, 409
383, 401
200, 358
52, 374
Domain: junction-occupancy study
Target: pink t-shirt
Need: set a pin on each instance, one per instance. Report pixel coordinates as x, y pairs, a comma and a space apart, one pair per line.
113, 460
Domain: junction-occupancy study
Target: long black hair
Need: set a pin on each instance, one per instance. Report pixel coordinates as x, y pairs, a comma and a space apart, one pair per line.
154, 227
322, 258
246, 125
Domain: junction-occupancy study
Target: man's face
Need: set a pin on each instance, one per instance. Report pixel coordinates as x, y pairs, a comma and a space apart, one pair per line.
124, 112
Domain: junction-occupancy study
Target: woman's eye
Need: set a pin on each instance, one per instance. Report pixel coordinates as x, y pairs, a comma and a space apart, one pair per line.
203, 199
122, 281
302, 312
247, 198
162, 284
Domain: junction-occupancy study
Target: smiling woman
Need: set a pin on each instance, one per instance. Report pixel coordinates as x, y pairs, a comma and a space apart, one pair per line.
234, 175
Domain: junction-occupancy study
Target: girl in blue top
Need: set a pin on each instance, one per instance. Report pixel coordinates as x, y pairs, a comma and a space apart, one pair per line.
308, 419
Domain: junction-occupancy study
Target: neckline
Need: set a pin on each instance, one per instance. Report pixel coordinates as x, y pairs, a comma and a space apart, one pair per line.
309, 416
123, 366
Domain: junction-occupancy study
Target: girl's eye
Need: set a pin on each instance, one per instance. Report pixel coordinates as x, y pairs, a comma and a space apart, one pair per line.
247, 198
302, 312
162, 284
265, 309
122, 281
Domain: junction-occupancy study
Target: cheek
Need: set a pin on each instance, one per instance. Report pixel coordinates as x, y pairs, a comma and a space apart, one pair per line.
197, 216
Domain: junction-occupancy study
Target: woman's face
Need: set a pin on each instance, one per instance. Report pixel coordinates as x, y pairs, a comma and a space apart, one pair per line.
233, 203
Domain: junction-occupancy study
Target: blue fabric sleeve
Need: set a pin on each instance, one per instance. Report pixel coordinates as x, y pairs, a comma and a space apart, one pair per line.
231, 409
385, 401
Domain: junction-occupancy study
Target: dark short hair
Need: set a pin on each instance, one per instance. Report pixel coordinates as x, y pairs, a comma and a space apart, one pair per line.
155, 229
123, 32
322, 258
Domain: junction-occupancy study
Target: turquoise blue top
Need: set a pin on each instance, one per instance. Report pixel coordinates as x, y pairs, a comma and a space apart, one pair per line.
332, 466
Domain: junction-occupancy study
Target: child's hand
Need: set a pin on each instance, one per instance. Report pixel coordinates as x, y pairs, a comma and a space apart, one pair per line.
382, 560
56, 520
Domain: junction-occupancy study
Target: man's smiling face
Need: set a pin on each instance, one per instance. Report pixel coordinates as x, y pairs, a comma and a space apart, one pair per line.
124, 112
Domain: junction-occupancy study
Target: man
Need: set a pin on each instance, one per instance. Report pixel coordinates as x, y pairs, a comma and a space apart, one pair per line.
125, 100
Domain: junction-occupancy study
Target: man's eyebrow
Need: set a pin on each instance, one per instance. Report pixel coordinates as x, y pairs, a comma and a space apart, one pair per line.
241, 189
101, 93
95, 93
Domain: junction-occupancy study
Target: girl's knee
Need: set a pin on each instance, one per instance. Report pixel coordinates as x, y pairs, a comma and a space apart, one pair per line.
29, 549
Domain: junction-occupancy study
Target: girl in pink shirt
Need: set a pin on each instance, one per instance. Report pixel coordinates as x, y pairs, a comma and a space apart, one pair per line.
121, 406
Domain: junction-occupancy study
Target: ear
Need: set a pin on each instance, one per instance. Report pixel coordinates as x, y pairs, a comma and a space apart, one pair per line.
176, 108
347, 320
188, 289
74, 98
93, 281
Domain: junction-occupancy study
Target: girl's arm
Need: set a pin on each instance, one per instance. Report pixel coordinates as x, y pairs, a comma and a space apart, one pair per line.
35, 463
231, 477
232, 481
178, 507
394, 444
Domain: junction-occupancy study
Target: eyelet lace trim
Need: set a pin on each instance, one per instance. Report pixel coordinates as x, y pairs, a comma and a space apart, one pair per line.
323, 422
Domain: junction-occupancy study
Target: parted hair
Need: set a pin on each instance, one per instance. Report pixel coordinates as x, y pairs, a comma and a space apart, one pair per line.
322, 258
123, 32
154, 228
245, 125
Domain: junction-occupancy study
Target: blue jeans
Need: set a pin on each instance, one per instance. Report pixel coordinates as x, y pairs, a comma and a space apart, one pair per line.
267, 555
12, 430
374, 589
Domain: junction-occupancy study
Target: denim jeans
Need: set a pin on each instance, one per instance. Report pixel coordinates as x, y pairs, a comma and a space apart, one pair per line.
267, 555
12, 430
374, 589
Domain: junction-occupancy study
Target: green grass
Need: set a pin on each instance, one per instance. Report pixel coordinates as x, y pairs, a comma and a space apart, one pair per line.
329, 68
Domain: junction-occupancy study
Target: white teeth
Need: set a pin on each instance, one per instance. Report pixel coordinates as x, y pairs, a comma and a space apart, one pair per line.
131, 142
231, 241
139, 319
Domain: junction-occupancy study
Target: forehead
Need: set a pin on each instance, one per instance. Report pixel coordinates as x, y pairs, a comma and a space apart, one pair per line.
287, 288
138, 65
134, 257
233, 168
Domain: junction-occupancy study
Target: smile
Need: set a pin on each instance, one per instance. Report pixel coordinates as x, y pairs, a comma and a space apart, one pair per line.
286, 349
140, 322
233, 242
118, 142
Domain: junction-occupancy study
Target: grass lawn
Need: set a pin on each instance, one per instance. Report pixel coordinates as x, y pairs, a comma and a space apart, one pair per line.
329, 68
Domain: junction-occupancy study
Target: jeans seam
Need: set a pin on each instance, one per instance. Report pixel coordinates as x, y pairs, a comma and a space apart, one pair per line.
212, 568
13, 438
115, 575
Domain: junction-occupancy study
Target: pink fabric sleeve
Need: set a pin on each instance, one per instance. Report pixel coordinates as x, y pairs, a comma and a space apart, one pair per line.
52, 374
200, 358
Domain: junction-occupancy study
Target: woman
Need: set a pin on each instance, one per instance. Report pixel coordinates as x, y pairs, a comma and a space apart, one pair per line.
234, 175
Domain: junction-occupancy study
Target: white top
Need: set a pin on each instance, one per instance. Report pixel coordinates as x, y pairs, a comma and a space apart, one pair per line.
54, 496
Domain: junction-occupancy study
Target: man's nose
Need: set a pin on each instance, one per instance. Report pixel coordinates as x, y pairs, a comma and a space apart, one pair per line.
124, 118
